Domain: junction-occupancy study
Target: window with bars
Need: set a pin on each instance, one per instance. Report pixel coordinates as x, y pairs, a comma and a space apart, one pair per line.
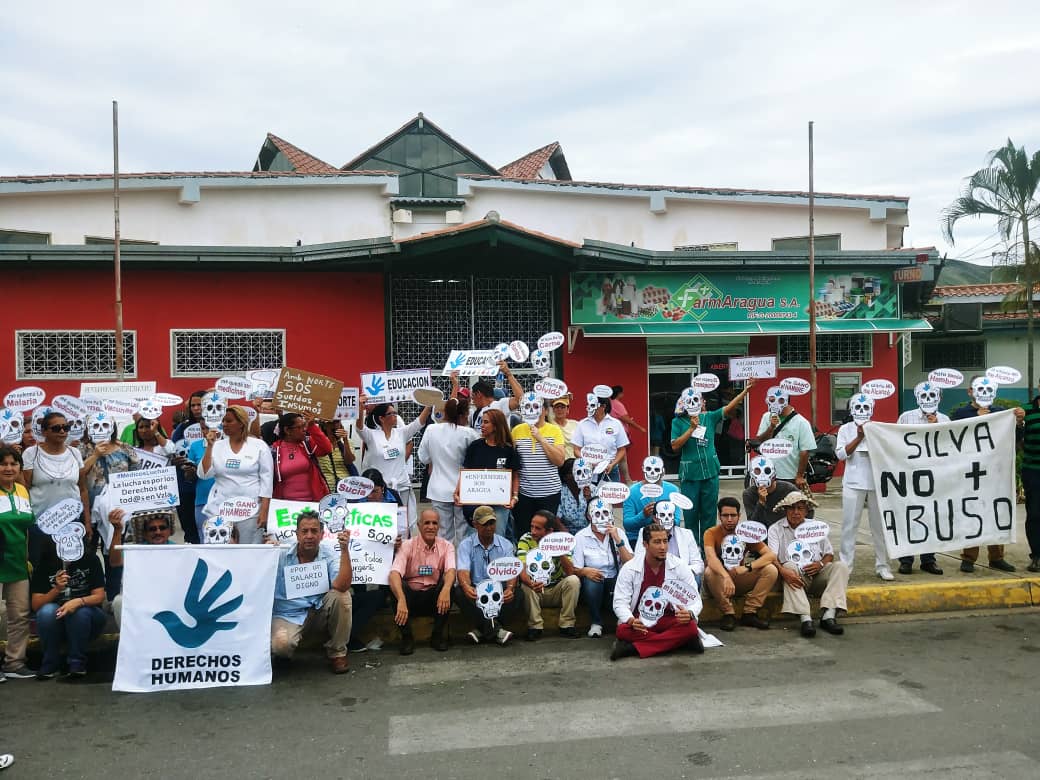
963, 354
73, 354
206, 353
832, 349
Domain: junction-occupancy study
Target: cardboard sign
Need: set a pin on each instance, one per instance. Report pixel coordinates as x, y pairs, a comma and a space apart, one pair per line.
237, 509
681, 594
1003, 375
67, 511
705, 383
812, 531
347, 406
751, 531
550, 388
234, 386
144, 489
306, 579
613, 492
126, 391
557, 543
776, 448
877, 389
550, 341
763, 367
308, 393
505, 569
390, 386
24, 399
946, 377
355, 488
472, 362
795, 385
485, 486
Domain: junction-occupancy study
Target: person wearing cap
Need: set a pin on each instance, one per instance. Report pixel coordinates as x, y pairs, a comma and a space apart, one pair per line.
824, 577
482, 395
638, 509
752, 579
476, 552
602, 430
421, 579
149, 527
561, 408
563, 587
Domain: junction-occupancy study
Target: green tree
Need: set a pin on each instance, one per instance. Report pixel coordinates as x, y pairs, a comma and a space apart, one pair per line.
1007, 190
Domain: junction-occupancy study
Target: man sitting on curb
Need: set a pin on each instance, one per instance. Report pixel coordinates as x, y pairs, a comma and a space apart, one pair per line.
475, 553
328, 612
157, 526
640, 580
421, 580
823, 576
562, 589
752, 577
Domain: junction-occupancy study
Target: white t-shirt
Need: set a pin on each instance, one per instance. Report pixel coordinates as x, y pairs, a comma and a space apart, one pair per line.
443, 448
857, 464
595, 554
248, 473
387, 454
608, 433
917, 417
798, 432
54, 477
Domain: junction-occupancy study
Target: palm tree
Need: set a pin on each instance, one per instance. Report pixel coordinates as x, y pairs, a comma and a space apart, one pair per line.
1007, 190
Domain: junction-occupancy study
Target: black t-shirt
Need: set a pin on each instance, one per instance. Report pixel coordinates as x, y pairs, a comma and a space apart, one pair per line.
85, 575
479, 455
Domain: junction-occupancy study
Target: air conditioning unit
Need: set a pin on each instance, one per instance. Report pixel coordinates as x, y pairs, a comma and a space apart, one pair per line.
962, 317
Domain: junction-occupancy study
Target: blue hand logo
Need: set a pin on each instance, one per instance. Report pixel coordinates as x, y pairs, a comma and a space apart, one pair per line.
457, 361
172, 500
376, 388
490, 588
200, 607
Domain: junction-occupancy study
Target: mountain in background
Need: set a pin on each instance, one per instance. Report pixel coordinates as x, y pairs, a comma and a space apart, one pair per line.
963, 272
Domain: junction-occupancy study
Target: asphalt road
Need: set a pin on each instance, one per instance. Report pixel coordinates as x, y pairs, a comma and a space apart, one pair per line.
955, 696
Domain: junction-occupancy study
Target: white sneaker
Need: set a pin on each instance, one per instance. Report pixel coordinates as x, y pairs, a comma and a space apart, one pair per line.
595, 630
503, 636
6, 760
885, 573
375, 644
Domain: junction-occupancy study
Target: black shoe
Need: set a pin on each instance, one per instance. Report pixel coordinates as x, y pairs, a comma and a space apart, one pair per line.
534, 634
569, 633
931, 567
407, 644
440, 642
695, 645
808, 629
1001, 565
1034, 563
908, 568
830, 625
622, 649
752, 620
728, 622
356, 646
967, 567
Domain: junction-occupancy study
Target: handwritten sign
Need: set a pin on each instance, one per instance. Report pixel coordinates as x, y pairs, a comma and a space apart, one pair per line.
794, 385
306, 579
60, 515
485, 486
761, 367
308, 393
550, 341
613, 492
557, 543
946, 377
144, 489
347, 406
751, 531
238, 509
681, 594
505, 569
812, 531
390, 386
24, 399
472, 362
776, 448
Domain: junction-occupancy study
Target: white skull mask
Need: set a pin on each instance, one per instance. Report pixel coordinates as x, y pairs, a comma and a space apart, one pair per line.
37, 421
541, 362
600, 514
862, 408
651, 606
530, 408
489, 598
78, 429
801, 554
653, 469
100, 427
984, 391
214, 407
216, 530
732, 551
11, 425
692, 401
150, 409
591, 404
181, 448
776, 400
539, 566
762, 472
664, 514
928, 397
582, 472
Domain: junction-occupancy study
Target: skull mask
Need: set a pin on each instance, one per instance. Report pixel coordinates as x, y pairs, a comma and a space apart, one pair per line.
600, 514
664, 514
651, 606
181, 448
984, 390
216, 530
150, 409
777, 400
37, 421
692, 401
582, 472
539, 566
591, 404
100, 427
214, 408
79, 427
653, 469
862, 408
801, 554
531, 408
732, 551
489, 598
541, 362
762, 472
928, 397
11, 425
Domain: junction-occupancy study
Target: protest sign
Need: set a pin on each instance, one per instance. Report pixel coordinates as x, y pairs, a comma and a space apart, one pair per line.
550, 388
613, 492
24, 399
69, 542
761, 367
518, 351
347, 406
151, 460
168, 399
119, 406
195, 616
94, 404
471, 362
594, 453
602, 391
234, 386
144, 489
429, 396
306, 579
650, 490
307, 393
682, 594
751, 531
795, 386
193, 433
505, 569
70, 406
1003, 375
60, 515
557, 543
485, 486
550, 341
681, 501
126, 391
776, 448
355, 487
945, 486
812, 531
946, 377
236, 510
878, 389
389, 386
704, 383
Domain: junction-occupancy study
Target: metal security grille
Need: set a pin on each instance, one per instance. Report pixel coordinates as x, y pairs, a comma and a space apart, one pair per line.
71, 354
217, 352
966, 355
832, 349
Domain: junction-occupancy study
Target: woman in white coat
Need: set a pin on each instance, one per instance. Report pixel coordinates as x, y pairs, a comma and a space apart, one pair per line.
443, 448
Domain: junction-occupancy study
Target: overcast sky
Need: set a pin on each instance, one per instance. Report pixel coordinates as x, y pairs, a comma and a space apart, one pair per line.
908, 97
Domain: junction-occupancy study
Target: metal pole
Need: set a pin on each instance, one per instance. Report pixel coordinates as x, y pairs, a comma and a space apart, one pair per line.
118, 270
812, 284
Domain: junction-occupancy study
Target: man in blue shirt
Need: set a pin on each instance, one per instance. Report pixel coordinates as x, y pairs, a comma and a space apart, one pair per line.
474, 555
638, 509
319, 583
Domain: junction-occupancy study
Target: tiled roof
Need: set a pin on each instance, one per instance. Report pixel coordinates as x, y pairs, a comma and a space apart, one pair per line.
972, 290
428, 122
454, 229
301, 161
528, 166
1004, 316
49, 177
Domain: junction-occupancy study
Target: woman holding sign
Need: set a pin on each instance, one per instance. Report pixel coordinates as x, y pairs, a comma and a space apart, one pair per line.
150, 437
494, 450
297, 475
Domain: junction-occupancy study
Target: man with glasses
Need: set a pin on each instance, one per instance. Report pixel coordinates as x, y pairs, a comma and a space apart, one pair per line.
155, 528
476, 552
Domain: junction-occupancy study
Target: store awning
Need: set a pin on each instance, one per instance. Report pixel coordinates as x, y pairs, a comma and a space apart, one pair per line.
765, 328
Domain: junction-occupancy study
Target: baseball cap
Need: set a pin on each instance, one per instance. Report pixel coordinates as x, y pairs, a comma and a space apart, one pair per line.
483, 515
565, 401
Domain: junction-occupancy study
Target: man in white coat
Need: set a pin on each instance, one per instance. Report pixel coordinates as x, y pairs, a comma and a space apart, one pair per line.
681, 541
648, 622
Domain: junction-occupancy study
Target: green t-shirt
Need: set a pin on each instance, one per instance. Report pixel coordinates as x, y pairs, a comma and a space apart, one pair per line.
528, 543
698, 459
15, 518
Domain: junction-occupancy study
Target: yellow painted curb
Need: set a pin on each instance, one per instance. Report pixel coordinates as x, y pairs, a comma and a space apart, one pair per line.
944, 597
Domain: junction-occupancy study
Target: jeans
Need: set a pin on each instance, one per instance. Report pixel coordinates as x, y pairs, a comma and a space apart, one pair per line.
596, 595
76, 630
366, 604
525, 508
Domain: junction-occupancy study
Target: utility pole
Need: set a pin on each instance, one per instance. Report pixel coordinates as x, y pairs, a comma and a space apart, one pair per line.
812, 284
120, 359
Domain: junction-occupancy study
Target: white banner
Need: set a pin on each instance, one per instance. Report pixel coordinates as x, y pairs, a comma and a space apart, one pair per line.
763, 367
126, 391
144, 489
946, 486
195, 616
151, 460
390, 386
472, 362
